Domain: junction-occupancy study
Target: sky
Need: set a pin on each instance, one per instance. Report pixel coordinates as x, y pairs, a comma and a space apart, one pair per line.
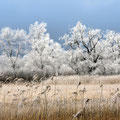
60, 15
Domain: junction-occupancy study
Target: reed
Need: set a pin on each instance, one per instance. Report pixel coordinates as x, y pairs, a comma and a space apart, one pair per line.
54, 101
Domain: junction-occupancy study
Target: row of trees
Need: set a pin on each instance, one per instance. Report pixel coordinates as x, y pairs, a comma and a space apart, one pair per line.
85, 51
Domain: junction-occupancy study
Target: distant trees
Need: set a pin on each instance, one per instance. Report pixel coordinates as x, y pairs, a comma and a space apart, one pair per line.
85, 51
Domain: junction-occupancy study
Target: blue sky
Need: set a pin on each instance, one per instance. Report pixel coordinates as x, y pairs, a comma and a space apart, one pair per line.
60, 15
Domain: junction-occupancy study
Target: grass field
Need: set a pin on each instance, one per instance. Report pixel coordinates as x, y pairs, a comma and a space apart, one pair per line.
62, 98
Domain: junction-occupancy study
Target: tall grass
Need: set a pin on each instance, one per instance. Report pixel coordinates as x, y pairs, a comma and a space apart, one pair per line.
53, 101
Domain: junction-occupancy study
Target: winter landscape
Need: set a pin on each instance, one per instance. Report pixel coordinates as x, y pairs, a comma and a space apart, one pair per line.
49, 73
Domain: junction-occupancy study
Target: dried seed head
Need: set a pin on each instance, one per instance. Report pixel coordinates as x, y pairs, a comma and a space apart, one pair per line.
8, 92
27, 85
48, 86
35, 76
42, 78
49, 89
75, 93
43, 92
52, 77
78, 114
15, 99
9, 79
15, 79
83, 90
36, 87
20, 80
87, 101
37, 99
24, 99
79, 83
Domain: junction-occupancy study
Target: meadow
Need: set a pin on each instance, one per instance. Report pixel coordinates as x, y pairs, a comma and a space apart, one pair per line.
62, 98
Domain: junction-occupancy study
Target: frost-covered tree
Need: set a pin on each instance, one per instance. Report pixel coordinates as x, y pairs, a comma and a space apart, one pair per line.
13, 45
111, 54
45, 52
86, 48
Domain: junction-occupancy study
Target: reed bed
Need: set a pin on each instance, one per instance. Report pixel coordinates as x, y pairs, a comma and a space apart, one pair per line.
56, 100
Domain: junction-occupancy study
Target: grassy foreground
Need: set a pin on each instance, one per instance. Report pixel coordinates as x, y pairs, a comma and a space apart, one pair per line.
62, 98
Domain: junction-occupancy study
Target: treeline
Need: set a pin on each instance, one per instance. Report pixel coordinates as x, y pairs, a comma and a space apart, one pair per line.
85, 51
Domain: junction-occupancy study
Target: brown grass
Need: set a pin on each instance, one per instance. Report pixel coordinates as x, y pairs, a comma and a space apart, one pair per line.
62, 98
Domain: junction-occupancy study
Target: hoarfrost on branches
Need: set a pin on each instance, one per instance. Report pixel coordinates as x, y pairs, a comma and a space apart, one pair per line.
85, 51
